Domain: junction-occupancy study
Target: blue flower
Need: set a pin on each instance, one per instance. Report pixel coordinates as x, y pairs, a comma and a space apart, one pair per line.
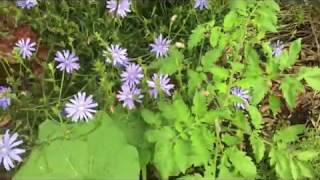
243, 94
26, 47
128, 95
277, 48
201, 4
118, 55
132, 75
160, 46
67, 61
81, 107
159, 83
121, 7
5, 101
8, 150
26, 4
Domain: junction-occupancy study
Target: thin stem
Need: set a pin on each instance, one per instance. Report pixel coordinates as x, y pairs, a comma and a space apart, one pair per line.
61, 87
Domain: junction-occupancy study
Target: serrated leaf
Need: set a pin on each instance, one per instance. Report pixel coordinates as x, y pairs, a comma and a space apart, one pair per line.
194, 80
150, 117
257, 146
305, 169
199, 107
306, 155
214, 36
287, 60
231, 140
256, 117
170, 64
163, 160
274, 103
229, 20
242, 163
290, 88
210, 58
201, 142
196, 36
289, 134
294, 169
181, 154
177, 111
311, 76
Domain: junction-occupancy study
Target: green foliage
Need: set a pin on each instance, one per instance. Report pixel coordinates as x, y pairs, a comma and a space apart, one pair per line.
94, 150
290, 88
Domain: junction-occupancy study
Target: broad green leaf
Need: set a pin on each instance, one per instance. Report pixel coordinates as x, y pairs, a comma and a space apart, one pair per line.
311, 76
163, 160
274, 103
151, 117
201, 143
242, 163
199, 106
256, 117
94, 150
290, 88
194, 80
210, 58
306, 155
230, 20
290, 59
257, 146
240, 121
231, 140
170, 64
214, 37
294, 169
304, 169
177, 111
219, 73
181, 154
289, 134
196, 36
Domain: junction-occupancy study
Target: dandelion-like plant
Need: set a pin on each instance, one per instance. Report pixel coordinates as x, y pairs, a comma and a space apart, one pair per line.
160, 83
5, 100
118, 55
67, 60
26, 47
9, 151
160, 46
201, 4
128, 95
26, 4
132, 74
243, 94
120, 7
81, 107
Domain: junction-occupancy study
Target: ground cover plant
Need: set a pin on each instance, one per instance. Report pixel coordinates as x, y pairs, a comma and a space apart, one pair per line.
159, 89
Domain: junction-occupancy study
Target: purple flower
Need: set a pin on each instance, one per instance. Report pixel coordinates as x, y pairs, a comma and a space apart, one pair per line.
4, 99
118, 54
243, 94
26, 47
81, 107
8, 150
121, 7
277, 48
26, 4
67, 61
132, 74
160, 46
201, 4
128, 95
159, 83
